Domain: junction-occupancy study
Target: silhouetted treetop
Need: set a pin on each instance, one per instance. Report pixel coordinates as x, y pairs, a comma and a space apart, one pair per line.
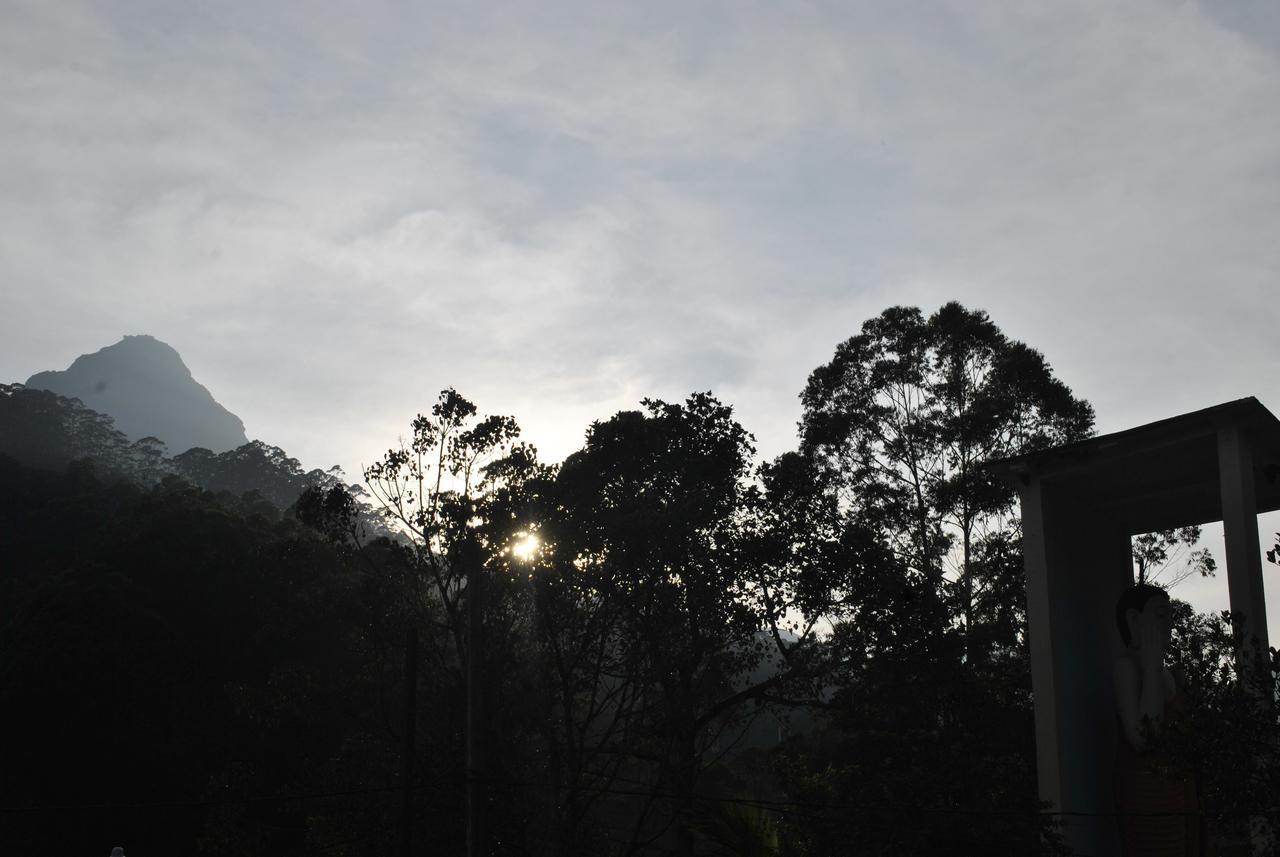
909, 409
43, 429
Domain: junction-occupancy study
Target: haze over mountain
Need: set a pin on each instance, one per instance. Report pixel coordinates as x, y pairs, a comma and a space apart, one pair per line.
145, 387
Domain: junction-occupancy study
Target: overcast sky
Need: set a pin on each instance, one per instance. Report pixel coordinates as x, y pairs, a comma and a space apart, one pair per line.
334, 210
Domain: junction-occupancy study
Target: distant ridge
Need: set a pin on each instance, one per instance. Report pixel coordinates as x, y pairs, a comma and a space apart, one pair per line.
145, 387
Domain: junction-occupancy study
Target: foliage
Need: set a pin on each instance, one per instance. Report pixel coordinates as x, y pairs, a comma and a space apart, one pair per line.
655, 549
161, 648
260, 467
904, 418
837, 635
738, 829
442, 489
457, 487
331, 511
931, 707
1231, 732
43, 429
1158, 552
640, 617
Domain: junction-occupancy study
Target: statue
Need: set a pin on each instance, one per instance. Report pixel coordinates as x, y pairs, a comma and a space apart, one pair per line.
1158, 798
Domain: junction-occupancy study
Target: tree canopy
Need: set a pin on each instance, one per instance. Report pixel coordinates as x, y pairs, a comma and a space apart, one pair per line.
902, 421
683, 650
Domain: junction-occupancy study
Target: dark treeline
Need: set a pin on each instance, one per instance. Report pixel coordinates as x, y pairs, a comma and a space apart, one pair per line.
683, 650
166, 646
42, 429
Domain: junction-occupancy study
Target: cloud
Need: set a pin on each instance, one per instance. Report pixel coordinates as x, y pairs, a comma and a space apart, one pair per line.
335, 210
338, 210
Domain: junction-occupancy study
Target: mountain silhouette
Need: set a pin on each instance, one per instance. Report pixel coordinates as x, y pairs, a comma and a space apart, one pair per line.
145, 387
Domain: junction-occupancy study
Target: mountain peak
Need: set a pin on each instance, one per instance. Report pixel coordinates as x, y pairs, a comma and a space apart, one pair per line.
145, 386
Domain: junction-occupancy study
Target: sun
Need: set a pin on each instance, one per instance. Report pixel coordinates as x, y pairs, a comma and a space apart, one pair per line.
525, 547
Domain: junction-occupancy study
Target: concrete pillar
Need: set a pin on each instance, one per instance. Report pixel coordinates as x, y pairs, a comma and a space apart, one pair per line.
1036, 559
1077, 564
1244, 575
1240, 529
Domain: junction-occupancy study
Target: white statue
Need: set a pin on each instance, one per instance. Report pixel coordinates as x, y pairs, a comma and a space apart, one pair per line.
1157, 797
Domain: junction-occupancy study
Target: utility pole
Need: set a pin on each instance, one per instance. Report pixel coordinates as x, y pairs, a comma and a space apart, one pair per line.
477, 791
407, 755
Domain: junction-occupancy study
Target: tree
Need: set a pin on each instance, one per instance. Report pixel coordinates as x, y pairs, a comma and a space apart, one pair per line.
931, 706
630, 645
455, 489
437, 488
654, 575
194, 659
254, 466
905, 416
42, 429
145, 461
1158, 552
1230, 733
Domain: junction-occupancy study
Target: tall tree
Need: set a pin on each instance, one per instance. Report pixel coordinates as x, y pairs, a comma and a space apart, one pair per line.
904, 417
438, 489
455, 488
931, 703
658, 543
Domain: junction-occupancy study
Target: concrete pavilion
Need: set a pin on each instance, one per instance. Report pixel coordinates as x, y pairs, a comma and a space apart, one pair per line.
1081, 503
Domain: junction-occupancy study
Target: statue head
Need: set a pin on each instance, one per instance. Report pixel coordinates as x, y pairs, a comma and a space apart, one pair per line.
1135, 603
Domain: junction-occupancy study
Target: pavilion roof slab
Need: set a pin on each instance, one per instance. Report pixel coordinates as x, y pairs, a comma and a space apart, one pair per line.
1159, 475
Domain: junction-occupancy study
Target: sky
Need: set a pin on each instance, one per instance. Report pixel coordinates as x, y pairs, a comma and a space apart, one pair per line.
334, 210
